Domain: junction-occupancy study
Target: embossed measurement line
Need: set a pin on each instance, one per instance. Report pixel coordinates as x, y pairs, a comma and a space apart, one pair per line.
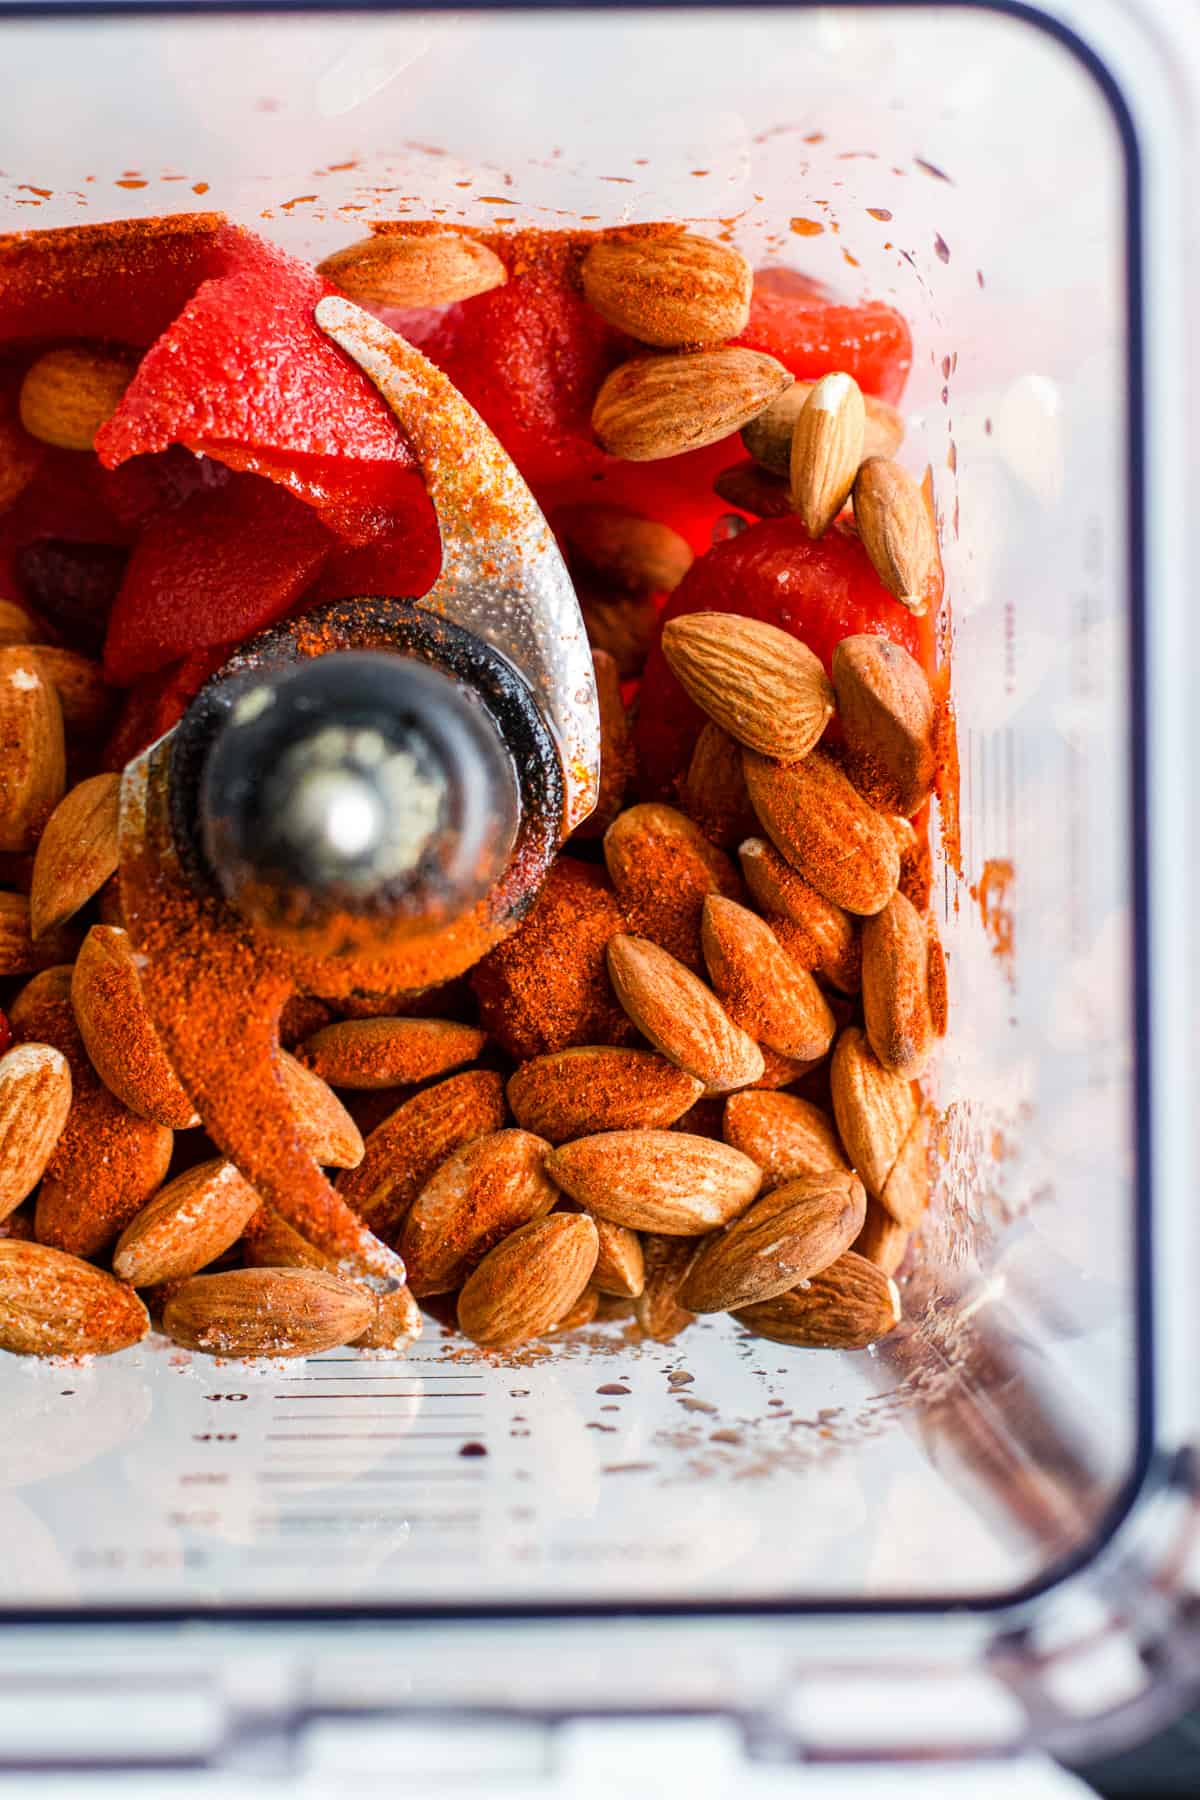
396, 1394
295, 1418
337, 1437
389, 1475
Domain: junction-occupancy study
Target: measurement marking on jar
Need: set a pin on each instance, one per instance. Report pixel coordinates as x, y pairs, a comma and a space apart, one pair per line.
396, 1394
388, 1475
334, 1437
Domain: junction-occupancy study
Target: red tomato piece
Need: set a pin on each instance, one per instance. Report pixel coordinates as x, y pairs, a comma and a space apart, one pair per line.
811, 336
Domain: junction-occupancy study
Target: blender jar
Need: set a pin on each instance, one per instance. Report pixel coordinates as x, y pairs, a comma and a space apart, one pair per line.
978, 1537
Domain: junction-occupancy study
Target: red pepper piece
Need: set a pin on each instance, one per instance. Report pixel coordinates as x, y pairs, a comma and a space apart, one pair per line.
821, 592
156, 702
678, 491
220, 566
810, 336
402, 564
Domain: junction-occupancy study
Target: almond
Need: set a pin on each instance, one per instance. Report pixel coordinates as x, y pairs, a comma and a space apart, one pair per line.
752, 490
329, 1133
411, 1144
77, 852
620, 1267
186, 1226
17, 626
668, 291
616, 749
271, 1243
574, 1093
118, 1033
35, 1097
886, 713
622, 624
621, 549
663, 868
785, 1135
905, 1193
896, 530
846, 1307
822, 826
769, 437
88, 703
33, 767
895, 987
582, 1313
267, 1312
478, 1196
19, 955
827, 447
397, 1322
657, 406
875, 1110
55, 1305
68, 394
661, 1181
815, 933
382, 1053
528, 1284
881, 1241
781, 1071
426, 268
657, 1309
784, 1238
682, 1018
713, 792
760, 987
759, 683
20, 456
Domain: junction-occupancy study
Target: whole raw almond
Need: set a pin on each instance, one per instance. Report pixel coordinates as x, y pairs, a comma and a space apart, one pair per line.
33, 766
622, 624
896, 530
895, 987
827, 448
35, 1098
186, 1226
406, 1149
822, 826
620, 1266
616, 748
329, 1133
760, 684
663, 869
786, 1135
669, 1182
657, 406
681, 1017
671, 290
875, 1110
713, 792
68, 394
271, 1243
760, 987
887, 717
666, 1261
530, 1282
478, 1196
786, 1237
428, 268
846, 1307
56, 1305
815, 933
88, 702
881, 1240
118, 1033
77, 852
753, 490
19, 954
905, 1193
621, 549
267, 1312
382, 1053
769, 437
575, 1093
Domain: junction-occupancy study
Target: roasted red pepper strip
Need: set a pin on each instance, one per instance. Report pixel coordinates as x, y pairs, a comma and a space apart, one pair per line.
810, 336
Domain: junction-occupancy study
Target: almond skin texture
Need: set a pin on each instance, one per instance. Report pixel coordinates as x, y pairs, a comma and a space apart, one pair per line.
669, 291
815, 933
381, 1053
657, 1309
887, 718
530, 1282
875, 1110
407, 1148
906, 1191
574, 1093
624, 625
846, 1307
329, 1133
660, 406
620, 1266
616, 748
895, 949
668, 1182
19, 954
753, 490
663, 868
681, 1017
769, 437
760, 987
267, 1312
76, 854
55, 1305
787, 1136
622, 550
786, 1237
271, 1243
187, 1225
822, 826
896, 531
68, 394
35, 1098
478, 1196
33, 758
881, 1241
434, 268
118, 1033
757, 682
827, 448
88, 703
714, 789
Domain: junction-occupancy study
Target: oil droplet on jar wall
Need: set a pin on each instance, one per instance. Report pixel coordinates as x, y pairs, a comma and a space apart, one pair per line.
879, 212
941, 248
807, 227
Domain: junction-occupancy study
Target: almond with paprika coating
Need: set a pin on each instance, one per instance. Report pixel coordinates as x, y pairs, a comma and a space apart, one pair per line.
847, 1306
681, 1017
35, 1098
383, 1052
186, 1225
668, 290
663, 869
815, 933
786, 1135
786, 1237
820, 824
76, 854
573, 1093
669, 1182
479, 1195
887, 716
118, 1032
529, 1283
895, 949
760, 987
57, 1305
407, 1147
